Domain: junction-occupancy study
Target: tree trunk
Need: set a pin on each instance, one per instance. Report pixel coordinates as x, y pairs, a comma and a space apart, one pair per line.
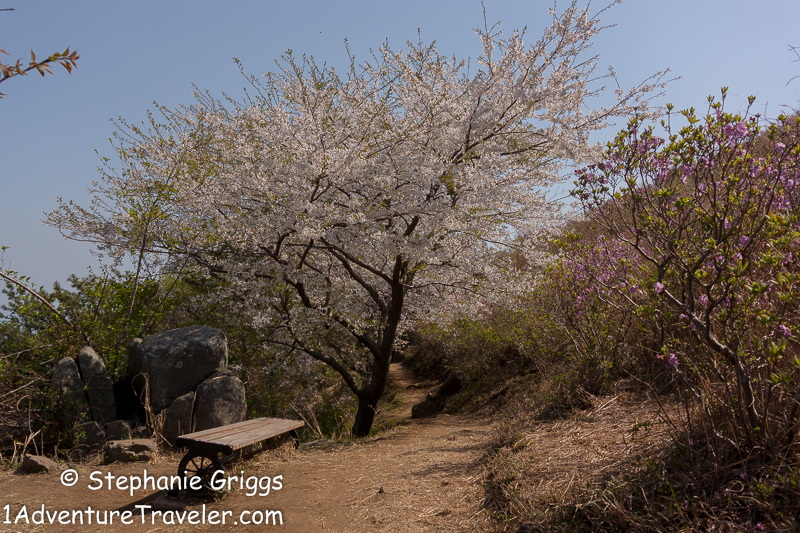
365, 415
370, 395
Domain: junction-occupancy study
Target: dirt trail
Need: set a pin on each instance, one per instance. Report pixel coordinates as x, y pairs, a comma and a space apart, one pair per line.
423, 476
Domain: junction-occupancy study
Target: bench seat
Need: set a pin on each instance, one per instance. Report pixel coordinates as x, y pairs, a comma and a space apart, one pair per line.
227, 439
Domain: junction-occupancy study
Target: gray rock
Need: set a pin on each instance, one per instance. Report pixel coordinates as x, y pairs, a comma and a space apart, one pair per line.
33, 464
220, 401
90, 364
176, 361
99, 387
66, 381
177, 418
128, 451
118, 430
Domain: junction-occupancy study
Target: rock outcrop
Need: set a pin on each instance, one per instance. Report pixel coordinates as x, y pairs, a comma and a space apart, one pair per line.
179, 375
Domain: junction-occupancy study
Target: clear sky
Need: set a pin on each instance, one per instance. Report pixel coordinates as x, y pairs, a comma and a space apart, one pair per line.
134, 53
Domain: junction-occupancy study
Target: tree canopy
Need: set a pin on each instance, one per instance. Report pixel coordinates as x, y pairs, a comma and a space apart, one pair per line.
335, 207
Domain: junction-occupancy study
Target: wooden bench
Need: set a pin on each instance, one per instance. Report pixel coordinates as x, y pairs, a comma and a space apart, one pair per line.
205, 448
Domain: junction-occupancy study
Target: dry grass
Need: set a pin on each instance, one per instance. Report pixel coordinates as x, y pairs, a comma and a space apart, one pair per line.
538, 468
626, 464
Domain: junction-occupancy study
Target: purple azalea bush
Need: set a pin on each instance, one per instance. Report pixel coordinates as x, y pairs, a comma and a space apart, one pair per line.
710, 212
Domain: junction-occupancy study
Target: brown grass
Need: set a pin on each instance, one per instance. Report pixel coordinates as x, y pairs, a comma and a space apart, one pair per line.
539, 468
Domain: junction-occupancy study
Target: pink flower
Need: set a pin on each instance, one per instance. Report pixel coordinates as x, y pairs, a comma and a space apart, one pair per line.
744, 240
785, 331
658, 287
780, 147
673, 360
702, 299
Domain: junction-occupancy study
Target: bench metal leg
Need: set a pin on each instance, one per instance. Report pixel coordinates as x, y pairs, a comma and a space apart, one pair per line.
296, 436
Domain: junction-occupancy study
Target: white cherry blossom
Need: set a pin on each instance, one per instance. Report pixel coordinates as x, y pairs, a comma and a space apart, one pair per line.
337, 208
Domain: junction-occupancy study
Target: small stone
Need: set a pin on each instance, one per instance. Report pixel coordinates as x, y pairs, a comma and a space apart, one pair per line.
128, 451
33, 464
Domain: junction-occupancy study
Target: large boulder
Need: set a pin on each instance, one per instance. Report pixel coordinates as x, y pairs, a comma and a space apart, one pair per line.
66, 381
176, 361
220, 401
177, 418
98, 384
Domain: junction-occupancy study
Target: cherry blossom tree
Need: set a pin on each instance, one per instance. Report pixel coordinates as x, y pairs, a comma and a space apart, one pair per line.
335, 208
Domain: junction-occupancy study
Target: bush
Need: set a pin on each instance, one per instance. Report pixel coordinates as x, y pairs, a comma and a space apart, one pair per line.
712, 212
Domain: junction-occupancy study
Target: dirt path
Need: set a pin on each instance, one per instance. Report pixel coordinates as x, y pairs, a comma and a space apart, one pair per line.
423, 476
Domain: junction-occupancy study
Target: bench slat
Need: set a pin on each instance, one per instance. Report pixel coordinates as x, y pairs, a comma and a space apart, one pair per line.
227, 439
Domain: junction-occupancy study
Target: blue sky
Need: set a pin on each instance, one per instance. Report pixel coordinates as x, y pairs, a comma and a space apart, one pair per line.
134, 53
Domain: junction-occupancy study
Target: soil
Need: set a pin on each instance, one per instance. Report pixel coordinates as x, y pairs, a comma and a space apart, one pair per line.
424, 475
